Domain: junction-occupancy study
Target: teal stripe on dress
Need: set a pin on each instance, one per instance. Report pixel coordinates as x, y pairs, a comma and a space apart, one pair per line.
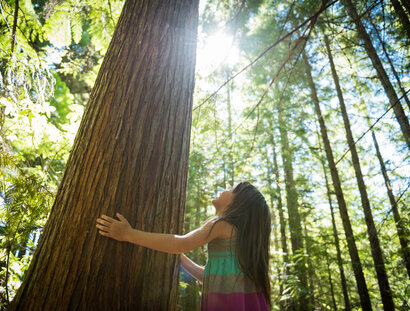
225, 254
222, 266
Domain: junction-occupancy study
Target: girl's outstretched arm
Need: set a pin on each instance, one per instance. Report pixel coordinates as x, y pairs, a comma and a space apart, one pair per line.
192, 268
121, 230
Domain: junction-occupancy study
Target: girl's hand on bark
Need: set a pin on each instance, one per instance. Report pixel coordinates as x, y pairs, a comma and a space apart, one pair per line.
111, 228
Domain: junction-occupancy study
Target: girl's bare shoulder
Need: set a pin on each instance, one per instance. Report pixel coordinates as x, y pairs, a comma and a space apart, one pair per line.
221, 229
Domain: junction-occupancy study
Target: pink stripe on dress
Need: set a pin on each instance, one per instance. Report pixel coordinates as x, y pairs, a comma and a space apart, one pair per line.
234, 302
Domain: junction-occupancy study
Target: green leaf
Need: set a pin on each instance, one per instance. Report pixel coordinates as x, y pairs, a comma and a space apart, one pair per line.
76, 27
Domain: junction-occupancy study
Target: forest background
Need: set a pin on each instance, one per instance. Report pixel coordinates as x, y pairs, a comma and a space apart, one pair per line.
255, 117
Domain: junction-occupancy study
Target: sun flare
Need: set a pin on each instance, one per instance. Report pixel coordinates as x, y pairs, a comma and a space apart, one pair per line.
214, 51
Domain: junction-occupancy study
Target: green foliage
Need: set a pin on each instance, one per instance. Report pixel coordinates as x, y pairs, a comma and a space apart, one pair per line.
25, 202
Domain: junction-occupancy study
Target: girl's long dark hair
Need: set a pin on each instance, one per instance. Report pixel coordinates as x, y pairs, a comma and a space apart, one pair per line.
250, 215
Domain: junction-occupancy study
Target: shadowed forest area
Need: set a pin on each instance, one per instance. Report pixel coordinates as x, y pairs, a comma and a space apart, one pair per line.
308, 100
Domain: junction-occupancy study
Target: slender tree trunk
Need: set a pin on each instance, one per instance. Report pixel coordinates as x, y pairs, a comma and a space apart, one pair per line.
396, 75
401, 14
231, 170
295, 227
376, 250
329, 276
280, 203
14, 29
351, 243
310, 268
130, 156
274, 222
337, 242
381, 73
399, 223
282, 221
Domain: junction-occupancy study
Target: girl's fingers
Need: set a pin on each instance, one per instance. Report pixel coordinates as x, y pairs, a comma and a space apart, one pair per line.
101, 227
103, 222
107, 218
122, 218
103, 233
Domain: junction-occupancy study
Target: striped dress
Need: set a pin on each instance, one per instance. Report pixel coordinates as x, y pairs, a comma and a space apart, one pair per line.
225, 287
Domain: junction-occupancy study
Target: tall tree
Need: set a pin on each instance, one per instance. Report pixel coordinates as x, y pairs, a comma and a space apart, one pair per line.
272, 197
351, 243
329, 276
230, 164
279, 205
381, 73
130, 156
376, 250
278, 189
336, 238
295, 226
310, 269
401, 230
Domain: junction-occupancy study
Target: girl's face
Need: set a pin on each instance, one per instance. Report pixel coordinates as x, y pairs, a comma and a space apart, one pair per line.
223, 201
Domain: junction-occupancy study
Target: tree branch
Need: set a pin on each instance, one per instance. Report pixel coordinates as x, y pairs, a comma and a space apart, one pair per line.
13, 34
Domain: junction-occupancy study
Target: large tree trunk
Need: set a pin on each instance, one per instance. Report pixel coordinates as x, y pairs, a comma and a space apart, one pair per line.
381, 73
130, 156
351, 243
295, 226
376, 250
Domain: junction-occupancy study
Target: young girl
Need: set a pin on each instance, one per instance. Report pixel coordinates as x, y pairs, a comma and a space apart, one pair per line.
235, 276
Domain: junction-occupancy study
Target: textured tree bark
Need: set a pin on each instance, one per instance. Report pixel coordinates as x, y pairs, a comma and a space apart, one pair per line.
130, 156
381, 73
295, 226
376, 250
351, 243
